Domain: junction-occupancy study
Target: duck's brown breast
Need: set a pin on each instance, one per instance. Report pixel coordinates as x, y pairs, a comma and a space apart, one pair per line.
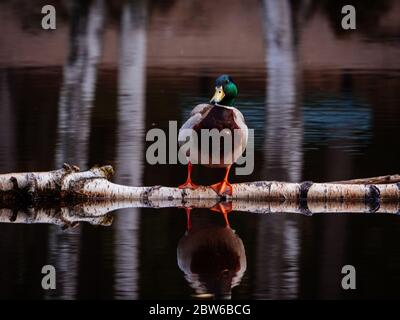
219, 118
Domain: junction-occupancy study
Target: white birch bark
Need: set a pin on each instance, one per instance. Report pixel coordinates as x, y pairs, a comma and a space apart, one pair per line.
94, 185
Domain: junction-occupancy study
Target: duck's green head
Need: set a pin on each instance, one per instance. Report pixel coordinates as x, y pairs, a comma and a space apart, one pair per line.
226, 91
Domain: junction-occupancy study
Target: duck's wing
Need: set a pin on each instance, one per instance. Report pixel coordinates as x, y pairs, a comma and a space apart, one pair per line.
196, 116
239, 120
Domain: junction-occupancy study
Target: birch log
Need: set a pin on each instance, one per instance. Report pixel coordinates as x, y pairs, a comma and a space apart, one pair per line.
69, 183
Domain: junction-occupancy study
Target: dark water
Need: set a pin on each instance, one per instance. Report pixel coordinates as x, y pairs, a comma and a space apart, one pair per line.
324, 106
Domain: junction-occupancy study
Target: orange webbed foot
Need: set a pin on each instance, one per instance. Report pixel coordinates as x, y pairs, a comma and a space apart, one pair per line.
223, 188
188, 185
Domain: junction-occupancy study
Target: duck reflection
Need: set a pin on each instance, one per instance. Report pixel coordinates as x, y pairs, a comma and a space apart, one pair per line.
212, 257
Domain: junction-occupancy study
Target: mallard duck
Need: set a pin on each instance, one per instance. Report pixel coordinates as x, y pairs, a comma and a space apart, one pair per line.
219, 114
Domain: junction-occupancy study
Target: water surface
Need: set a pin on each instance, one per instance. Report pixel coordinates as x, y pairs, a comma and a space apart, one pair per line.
324, 106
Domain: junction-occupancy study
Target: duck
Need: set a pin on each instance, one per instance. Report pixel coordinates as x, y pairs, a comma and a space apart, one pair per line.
220, 114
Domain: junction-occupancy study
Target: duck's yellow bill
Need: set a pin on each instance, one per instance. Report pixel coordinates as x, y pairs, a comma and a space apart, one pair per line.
218, 95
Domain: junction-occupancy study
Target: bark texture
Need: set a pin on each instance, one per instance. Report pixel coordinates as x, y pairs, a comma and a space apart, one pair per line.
67, 196
70, 183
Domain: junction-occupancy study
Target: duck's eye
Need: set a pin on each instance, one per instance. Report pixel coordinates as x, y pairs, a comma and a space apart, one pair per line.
226, 81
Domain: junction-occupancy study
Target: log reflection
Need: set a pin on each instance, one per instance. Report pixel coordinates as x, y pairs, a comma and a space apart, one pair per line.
93, 211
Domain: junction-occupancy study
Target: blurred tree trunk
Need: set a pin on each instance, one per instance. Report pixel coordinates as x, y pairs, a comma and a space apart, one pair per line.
87, 20
283, 147
284, 130
131, 127
79, 83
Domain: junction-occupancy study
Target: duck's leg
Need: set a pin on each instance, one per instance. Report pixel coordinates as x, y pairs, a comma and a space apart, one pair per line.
224, 208
189, 184
188, 220
223, 187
